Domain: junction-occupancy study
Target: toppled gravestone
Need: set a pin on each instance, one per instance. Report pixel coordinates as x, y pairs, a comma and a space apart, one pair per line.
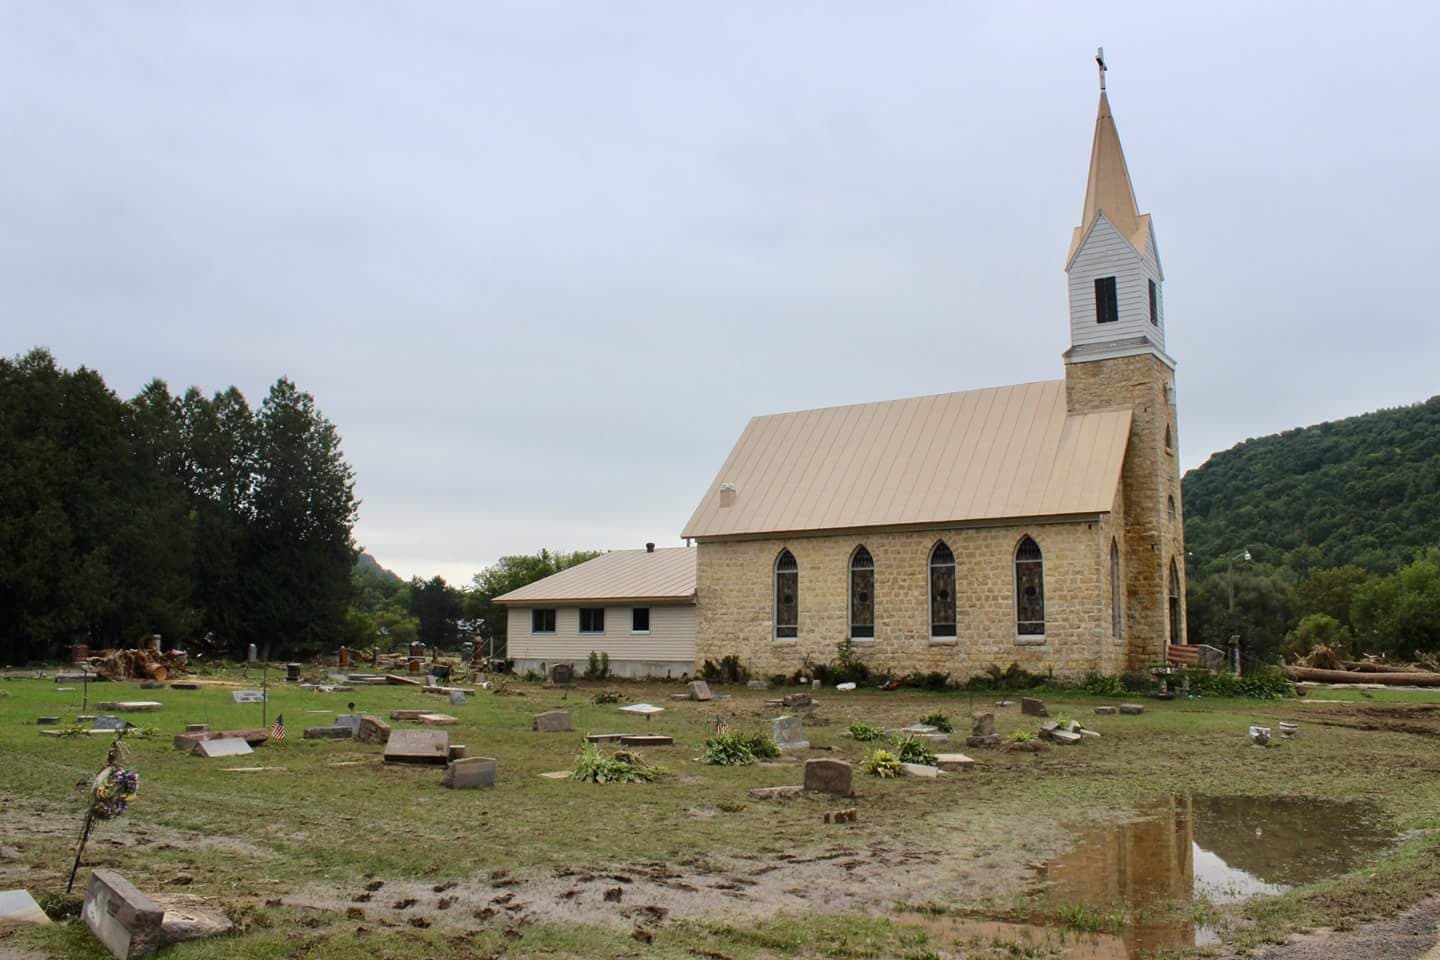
470, 773
1031, 707
125, 920
372, 730
189, 917
18, 908
344, 732
1106, 711
1131, 709
700, 690
789, 734
552, 721
222, 747
418, 746
829, 776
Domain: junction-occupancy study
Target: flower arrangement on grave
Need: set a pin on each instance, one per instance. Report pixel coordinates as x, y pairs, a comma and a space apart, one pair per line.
111, 792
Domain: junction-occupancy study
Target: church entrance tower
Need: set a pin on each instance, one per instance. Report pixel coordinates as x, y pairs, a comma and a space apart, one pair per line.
1117, 359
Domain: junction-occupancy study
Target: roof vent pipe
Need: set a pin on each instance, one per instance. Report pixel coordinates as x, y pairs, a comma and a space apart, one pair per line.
649, 548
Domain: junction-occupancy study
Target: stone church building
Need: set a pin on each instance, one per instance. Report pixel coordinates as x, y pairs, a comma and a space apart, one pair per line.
1037, 524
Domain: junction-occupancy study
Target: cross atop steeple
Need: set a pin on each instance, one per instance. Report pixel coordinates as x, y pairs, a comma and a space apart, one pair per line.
1100, 61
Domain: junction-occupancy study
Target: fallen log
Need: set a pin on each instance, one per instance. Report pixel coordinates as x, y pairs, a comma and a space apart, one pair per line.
1317, 675
1369, 666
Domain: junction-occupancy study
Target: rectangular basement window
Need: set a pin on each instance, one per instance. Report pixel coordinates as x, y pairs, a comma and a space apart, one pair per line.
592, 619
640, 620
1107, 304
542, 621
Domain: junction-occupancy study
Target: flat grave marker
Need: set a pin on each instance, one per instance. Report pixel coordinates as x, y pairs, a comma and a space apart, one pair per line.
418, 746
248, 696
222, 747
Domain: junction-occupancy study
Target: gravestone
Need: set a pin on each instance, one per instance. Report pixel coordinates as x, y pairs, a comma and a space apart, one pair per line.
829, 776
562, 674
407, 714
789, 734
351, 720
126, 921
437, 719
187, 917
954, 761
418, 746
109, 723
129, 706
1065, 737
700, 690
1032, 707
46, 721
553, 721
372, 730
983, 725
329, 733
197, 728
798, 700
469, 773
248, 696
647, 740
222, 747
17, 907
457, 751
252, 655
292, 672
922, 770
1106, 711
457, 698
1131, 709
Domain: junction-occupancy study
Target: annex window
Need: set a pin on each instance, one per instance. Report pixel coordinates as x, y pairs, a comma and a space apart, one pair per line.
787, 596
1170, 508
1107, 304
1169, 439
592, 619
1174, 604
640, 620
1154, 304
1029, 589
542, 621
862, 594
1116, 619
942, 591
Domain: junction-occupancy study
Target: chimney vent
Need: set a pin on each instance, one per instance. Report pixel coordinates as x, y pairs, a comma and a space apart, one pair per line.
649, 548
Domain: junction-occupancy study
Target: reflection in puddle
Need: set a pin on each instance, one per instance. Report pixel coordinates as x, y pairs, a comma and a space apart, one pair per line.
1220, 849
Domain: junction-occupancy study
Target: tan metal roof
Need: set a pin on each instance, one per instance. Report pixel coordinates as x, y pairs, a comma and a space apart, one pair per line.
950, 458
1108, 189
666, 574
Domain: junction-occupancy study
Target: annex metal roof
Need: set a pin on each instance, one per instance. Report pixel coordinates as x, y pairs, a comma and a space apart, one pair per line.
666, 574
980, 455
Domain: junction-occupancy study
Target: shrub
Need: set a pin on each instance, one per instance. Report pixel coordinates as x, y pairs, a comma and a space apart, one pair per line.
882, 763
727, 750
728, 670
847, 667
779, 680
533, 676
607, 696
623, 767
1261, 683
1099, 685
598, 666
939, 721
915, 750
1020, 736
865, 733
926, 681
762, 745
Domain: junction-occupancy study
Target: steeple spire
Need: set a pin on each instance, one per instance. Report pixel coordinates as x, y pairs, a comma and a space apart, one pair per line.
1108, 190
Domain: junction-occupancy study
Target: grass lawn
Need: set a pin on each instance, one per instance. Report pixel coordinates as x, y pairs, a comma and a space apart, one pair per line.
689, 865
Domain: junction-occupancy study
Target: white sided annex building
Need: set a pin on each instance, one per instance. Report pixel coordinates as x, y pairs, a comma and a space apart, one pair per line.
1037, 524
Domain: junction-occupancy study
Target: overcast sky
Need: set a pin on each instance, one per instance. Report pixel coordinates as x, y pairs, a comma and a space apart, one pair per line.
540, 262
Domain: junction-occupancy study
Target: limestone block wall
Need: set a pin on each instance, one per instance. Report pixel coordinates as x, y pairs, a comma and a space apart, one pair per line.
1151, 478
735, 600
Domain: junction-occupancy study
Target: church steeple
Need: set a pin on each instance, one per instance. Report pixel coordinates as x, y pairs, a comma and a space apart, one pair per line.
1116, 307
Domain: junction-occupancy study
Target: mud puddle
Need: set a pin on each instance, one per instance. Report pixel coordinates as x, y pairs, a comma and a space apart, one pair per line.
1134, 888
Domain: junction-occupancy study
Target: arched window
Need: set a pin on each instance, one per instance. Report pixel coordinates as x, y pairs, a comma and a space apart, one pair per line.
1117, 623
1029, 589
942, 591
862, 594
1174, 604
787, 596
1170, 508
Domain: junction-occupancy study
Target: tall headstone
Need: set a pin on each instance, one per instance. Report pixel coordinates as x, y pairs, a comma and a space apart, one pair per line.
252, 654
700, 690
829, 776
1031, 707
292, 672
789, 734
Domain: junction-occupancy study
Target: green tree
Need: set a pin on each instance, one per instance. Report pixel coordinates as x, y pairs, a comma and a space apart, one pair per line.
1399, 615
1330, 591
436, 606
297, 566
1318, 629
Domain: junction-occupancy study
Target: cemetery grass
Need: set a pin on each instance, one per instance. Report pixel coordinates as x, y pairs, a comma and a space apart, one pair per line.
701, 869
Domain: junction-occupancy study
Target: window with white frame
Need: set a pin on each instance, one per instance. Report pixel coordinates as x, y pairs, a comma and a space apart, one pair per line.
542, 621
592, 619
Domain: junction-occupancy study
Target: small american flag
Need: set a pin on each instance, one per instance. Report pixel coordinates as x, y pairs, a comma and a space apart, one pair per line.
277, 731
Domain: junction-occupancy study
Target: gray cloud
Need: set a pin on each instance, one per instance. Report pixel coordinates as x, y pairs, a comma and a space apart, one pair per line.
541, 262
